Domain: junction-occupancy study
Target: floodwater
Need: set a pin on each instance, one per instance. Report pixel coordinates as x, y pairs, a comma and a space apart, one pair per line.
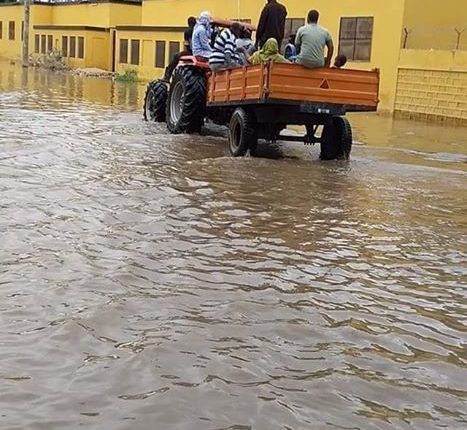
150, 281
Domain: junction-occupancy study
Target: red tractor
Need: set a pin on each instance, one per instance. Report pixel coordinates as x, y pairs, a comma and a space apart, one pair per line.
258, 102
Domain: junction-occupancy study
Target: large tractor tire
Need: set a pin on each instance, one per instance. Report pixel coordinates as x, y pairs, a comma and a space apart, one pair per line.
336, 139
187, 101
242, 133
155, 101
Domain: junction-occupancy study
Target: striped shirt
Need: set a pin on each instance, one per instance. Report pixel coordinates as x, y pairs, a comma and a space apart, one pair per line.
226, 43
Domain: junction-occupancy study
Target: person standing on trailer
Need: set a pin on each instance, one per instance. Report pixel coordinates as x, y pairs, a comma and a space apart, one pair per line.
271, 23
311, 40
200, 43
224, 54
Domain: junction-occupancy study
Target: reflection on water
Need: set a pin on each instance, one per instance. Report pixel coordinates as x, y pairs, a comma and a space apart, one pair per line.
71, 87
151, 281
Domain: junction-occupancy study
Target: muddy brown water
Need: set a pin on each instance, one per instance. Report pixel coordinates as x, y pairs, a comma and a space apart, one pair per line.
150, 281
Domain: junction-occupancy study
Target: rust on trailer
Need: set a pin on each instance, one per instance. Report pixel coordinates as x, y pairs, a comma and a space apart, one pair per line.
291, 82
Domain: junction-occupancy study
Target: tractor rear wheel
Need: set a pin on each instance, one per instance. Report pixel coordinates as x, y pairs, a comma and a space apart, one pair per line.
242, 133
186, 101
336, 139
155, 101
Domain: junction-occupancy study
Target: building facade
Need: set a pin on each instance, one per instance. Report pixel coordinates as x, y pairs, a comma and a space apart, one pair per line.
420, 46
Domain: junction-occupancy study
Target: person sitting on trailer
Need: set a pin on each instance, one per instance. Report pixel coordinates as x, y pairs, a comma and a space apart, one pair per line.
291, 49
224, 54
187, 37
311, 40
201, 37
269, 52
340, 61
245, 46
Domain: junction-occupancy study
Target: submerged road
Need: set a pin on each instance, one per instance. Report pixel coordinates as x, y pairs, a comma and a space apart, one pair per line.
150, 281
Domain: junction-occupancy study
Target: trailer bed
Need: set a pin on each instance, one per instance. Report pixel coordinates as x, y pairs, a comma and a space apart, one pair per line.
274, 83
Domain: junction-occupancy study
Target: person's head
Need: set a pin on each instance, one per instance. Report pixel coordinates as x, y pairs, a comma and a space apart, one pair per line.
236, 28
340, 61
271, 46
205, 18
292, 38
191, 21
313, 16
245, 33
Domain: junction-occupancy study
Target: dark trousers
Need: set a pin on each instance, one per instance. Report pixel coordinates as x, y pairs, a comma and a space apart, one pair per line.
173, 64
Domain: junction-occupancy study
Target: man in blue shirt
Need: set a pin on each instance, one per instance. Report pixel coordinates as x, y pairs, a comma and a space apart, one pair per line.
202, 36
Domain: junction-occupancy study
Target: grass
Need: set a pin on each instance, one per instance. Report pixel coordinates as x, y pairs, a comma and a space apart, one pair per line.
127, 76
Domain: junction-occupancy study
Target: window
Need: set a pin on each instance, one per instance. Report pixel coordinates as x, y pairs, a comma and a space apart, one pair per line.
174, 48
355, 38
22, 30
11, 30
36, 44
65, 46
291, 27
50, 43
80, 47
72, 46
43, 43
1, 29
135, 52
160, 54
123, 51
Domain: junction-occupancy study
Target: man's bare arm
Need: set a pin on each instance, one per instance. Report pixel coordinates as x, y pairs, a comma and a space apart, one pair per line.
330, 45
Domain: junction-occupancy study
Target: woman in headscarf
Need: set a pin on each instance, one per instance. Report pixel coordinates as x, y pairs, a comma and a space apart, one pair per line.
202, 36
269, 52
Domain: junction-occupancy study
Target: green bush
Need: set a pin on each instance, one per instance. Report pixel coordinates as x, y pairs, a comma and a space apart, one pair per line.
127, 76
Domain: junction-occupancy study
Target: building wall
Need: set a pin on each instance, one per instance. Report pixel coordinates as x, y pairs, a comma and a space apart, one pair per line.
96, 14
41, 14
91, 14
435, 13
432, 85
432, 24
96, 46
11, 49
146, 67
125, 14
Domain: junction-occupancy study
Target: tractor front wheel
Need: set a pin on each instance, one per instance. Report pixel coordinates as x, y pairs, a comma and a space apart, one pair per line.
155, 101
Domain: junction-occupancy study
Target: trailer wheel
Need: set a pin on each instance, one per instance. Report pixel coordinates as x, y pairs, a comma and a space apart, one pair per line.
336, 139
187, 101
242, 134
155, 101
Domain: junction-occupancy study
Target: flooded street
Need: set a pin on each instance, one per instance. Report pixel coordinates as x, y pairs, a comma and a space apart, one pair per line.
151, 281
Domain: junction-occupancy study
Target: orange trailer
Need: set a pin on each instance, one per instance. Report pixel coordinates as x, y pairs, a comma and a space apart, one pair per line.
258, 102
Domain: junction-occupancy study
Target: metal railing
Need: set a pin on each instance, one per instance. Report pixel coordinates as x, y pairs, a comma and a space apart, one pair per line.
438, 38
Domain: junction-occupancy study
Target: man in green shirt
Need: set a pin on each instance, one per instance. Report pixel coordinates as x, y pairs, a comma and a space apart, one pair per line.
311, 40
